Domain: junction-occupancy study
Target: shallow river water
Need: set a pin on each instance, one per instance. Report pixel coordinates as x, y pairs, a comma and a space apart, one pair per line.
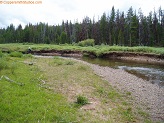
150, 72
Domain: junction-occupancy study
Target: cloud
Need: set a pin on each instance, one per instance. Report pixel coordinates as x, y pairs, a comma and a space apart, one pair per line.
54, 11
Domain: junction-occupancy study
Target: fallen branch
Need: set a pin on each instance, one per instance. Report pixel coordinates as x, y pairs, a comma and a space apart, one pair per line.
12, 81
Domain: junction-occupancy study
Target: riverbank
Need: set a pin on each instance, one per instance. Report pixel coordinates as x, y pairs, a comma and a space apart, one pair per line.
129, 56
154, 55
149, 96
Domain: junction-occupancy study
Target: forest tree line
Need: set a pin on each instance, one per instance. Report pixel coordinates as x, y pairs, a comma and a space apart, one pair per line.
116, 28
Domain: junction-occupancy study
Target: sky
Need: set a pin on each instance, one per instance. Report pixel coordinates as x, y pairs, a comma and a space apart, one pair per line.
54, 12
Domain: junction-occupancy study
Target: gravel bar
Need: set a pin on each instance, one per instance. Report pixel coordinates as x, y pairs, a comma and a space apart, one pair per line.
149, 96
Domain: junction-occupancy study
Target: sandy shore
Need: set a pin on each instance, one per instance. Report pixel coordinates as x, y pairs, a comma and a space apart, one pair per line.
147, 95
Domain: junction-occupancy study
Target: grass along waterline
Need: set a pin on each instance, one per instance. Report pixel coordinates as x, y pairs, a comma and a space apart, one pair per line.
96, 49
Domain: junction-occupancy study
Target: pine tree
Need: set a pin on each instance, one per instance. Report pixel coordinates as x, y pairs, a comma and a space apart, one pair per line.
103, 28
134, 30
19, 36
129, 26
63, 38
112, 27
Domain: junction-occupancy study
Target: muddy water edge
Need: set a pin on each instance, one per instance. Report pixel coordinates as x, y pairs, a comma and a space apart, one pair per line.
153, 73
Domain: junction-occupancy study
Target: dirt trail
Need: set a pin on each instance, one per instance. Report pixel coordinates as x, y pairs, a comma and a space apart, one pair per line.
149, 96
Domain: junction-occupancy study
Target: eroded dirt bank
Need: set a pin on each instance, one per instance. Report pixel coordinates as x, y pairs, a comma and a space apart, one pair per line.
136, 57
149, 96
130, 56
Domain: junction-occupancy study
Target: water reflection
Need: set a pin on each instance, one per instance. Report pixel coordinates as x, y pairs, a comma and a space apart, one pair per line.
151, 72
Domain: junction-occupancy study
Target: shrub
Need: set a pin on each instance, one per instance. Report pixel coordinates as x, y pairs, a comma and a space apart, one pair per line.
16, 54
1, 54
88, 42
81, 100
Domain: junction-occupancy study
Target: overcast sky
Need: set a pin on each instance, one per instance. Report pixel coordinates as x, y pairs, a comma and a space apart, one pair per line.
54, 11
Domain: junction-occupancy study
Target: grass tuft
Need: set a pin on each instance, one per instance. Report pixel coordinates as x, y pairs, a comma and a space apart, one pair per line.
31, 102
82, 100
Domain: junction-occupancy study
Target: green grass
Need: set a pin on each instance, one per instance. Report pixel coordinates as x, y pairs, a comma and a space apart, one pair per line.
56, 101
1, 54
16, 54
88, 42
31, 102
97, 49
3, 64
59, 61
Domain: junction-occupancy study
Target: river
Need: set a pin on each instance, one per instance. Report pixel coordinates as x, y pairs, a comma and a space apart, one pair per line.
153, 73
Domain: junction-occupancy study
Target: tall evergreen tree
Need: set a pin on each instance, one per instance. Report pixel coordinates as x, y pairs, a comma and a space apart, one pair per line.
103, 28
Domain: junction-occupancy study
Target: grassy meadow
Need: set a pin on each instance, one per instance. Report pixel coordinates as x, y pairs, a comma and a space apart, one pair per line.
55, 90
96, 49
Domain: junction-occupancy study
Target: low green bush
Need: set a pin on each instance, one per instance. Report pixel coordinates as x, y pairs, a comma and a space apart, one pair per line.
16, 54
88, 42
82, 100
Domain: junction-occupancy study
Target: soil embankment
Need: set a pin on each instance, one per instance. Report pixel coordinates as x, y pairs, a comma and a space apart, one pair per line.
136, 57
64, 53
130, 56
